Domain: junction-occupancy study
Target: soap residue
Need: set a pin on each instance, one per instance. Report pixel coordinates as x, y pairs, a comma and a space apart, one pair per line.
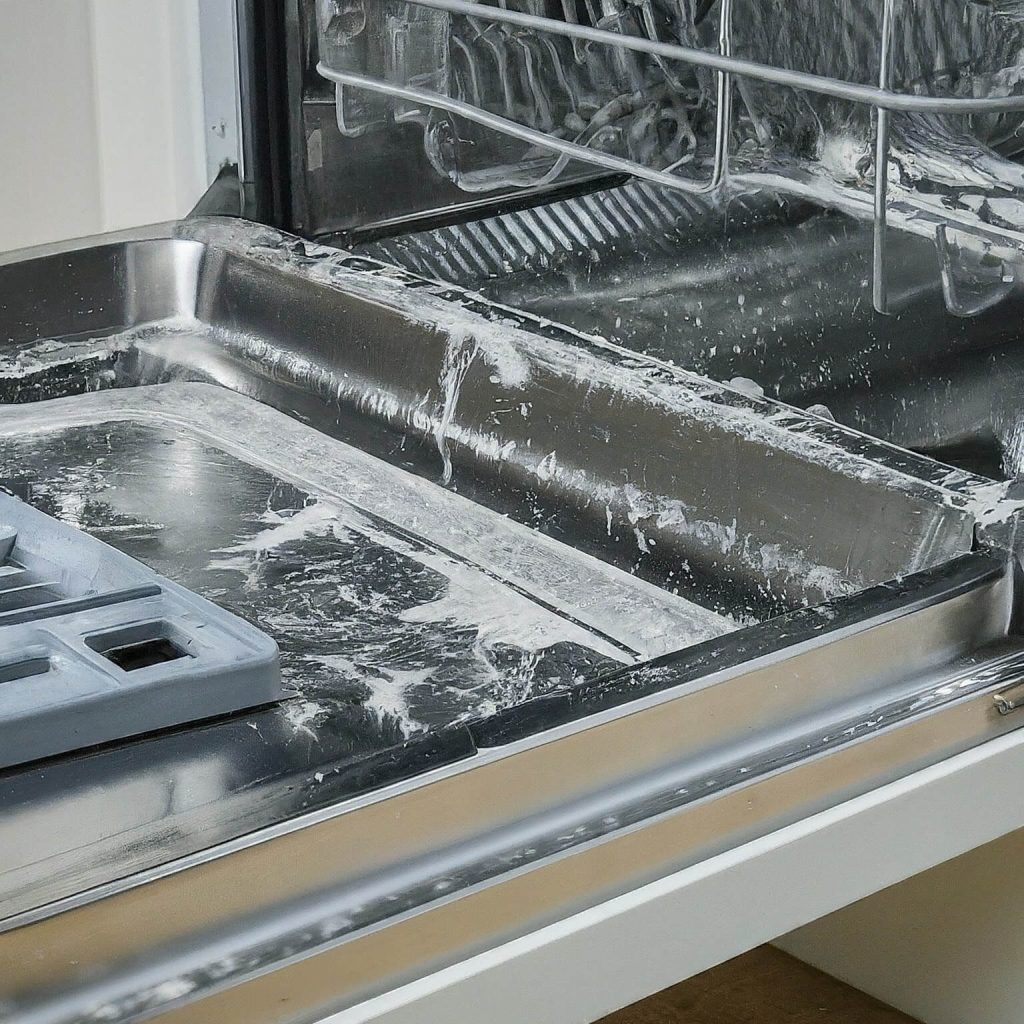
302, 715
459, 353
499, 614
508, 630
636, 614
390, 688
1013, 450
35, 357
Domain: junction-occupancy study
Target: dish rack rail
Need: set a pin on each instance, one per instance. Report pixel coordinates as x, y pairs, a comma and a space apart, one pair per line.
883, 99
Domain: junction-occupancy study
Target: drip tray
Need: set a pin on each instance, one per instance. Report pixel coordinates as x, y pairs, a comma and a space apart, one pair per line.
401, 611
96, 647
644, 617
384, 591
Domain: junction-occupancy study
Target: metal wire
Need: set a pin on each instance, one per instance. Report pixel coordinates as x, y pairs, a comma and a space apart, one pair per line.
513, 129
882, 98
879, 284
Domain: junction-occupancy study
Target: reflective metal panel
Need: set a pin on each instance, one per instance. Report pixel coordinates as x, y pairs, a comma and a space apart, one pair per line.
551, 612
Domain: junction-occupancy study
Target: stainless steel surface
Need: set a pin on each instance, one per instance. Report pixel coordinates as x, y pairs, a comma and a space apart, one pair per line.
433, 366
776, 296
631, 803
218, 41
328, 445
558, 613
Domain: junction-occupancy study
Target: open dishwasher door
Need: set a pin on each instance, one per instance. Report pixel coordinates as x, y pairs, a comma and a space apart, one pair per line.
548, 476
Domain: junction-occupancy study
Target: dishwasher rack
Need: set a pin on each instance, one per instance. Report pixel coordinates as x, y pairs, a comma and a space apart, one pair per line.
882, 99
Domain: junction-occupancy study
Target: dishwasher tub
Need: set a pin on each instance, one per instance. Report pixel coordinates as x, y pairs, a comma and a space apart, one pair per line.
555, 619
773, 293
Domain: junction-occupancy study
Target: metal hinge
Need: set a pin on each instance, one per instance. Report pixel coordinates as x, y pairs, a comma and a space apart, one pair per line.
1009, 700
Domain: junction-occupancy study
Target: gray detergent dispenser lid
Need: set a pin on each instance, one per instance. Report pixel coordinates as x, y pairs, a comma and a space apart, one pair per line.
95, 647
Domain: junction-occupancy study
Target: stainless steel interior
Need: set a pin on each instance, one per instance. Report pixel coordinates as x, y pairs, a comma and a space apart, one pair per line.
763, 234
603, 520
887, 111
770, 294
536, 595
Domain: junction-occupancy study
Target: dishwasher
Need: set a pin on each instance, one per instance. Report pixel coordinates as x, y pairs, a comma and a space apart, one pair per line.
605, 418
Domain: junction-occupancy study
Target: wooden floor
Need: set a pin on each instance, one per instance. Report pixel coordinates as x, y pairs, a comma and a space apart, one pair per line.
764, 986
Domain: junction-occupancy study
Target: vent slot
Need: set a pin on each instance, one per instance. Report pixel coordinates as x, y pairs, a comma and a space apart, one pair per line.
23, 669
138, 647
28, 595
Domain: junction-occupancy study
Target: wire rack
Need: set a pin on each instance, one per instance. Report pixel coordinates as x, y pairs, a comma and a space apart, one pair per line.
882, 99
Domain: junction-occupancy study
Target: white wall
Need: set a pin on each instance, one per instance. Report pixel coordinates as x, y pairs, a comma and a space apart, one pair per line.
945, 946
101, 119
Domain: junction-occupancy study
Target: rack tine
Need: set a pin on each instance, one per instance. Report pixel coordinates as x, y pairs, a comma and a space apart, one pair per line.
918, 218
723, 113
955, 302
880, 284
819, 84
569, 14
